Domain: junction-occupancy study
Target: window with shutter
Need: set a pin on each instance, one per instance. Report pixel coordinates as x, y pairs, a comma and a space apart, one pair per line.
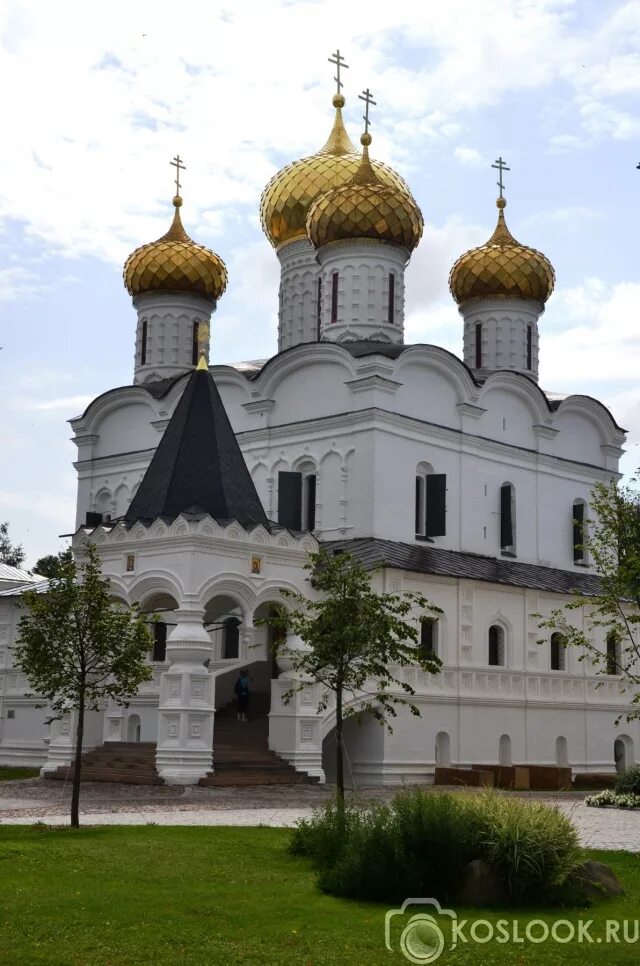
496, 646
429, 636
507, 517
578, 531
614, 654
478, 345
319, 309
231, 638
143, 344
290, 500
557, 652
392, 298
310, 484
159, 641
529, 347
334, 297
436, 522
194, 344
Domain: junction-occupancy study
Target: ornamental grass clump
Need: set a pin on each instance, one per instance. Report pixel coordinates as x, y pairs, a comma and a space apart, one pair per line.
421, 843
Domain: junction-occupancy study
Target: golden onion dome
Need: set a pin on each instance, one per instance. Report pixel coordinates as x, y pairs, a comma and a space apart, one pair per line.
366, 208
502, 266
286, 200
175, 263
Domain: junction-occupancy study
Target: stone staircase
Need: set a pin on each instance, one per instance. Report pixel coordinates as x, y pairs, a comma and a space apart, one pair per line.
241, 753
131, 762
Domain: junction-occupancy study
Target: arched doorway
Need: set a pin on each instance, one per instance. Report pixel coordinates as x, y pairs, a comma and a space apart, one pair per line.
159, 610
133, 727
562, 751
504, 751
443, 749
623, 753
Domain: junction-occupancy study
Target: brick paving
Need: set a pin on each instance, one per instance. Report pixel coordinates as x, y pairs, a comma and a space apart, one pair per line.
33, 800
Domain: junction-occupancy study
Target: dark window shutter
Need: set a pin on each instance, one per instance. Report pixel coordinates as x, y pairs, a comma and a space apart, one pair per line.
506, 517
495, 635
319, 309
231, 638
310, 482
159, 641
334, 297
427, 635
436, 505
529, 347
143, 345
578, 531
290, 500
194, 344
478, 345
392, 298
419, 485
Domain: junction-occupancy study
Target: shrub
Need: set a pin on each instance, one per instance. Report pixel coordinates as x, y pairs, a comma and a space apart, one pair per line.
628, 783
529, 845
420, 844
611, 799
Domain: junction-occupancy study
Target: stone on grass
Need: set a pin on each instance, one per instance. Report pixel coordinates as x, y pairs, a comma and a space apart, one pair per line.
480, 886
595, 880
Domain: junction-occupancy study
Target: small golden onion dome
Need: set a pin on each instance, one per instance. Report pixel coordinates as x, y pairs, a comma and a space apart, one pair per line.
175, 263
502, 266
287, 198
366, 208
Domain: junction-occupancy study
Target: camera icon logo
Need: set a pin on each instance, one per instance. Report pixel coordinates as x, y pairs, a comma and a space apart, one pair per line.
422, 939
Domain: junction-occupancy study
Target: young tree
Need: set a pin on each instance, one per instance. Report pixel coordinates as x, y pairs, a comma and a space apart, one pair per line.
356, 638
612, 540
77, 648
11, 554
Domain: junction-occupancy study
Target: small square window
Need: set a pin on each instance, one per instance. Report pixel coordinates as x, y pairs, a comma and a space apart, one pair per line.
11, 713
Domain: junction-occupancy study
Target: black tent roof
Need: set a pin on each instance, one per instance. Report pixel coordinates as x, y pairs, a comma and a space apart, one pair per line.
198, 466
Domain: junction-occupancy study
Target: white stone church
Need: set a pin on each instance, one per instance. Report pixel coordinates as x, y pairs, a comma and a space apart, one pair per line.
205, 487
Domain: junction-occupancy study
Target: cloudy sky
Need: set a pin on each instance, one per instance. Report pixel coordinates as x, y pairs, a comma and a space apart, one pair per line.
99, 97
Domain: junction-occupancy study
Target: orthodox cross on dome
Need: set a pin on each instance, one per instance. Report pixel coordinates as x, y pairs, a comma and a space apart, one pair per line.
179, 166
338, 60
367, 97
501, 166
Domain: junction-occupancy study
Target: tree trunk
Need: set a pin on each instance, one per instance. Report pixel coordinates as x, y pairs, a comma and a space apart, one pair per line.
75, 794
339, 751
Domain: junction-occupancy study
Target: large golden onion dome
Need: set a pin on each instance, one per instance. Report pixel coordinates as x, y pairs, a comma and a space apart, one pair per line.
366, 208
175, 263
502, 266
286, 200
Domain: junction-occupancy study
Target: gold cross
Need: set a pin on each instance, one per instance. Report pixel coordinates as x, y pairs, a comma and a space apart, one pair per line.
179, 166
367, 97
501, 166
338, 60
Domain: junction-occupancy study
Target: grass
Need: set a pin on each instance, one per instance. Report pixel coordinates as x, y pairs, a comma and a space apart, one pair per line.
119, 896
8, 774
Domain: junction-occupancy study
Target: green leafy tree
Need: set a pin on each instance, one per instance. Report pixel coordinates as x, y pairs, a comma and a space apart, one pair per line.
11, 554
355, 640
51, 564
613, 545
78, 649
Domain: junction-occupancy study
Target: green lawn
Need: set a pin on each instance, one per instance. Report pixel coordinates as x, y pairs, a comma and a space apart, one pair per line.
154, 895
10, 774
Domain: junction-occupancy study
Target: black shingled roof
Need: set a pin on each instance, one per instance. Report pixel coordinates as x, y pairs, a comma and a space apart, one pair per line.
469, 566
198, 466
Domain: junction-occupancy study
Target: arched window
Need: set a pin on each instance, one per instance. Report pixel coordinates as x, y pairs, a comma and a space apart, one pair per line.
443, 749
319, 309
143, 343
578, 532
430, 502
496, 646
478, 347
334, 297
529, 347
429, 637
159, 641
297, 497
558, 652
614, 656
231, 638
392, 298
194, 344
508, 518
309, 483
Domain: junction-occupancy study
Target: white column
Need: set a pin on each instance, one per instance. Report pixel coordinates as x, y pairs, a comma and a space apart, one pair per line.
298, 306
370, 291
164, 335
184, 751
504, 337
295, 725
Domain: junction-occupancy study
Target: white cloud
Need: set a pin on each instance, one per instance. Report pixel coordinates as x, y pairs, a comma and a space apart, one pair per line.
70, 404
469, 156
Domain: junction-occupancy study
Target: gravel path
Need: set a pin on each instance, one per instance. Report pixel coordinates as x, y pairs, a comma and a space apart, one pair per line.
42, 800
